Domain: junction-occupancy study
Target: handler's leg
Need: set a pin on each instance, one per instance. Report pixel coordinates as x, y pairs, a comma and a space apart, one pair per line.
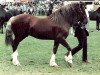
79, 47
84, 58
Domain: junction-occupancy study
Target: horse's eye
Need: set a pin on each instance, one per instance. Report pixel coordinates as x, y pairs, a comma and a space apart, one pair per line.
81, 12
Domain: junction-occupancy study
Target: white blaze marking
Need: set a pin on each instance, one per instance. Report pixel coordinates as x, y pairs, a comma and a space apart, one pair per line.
15, 59
69, 58
52, 61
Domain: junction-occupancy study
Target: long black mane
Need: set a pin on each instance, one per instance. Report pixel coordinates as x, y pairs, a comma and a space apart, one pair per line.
70, 13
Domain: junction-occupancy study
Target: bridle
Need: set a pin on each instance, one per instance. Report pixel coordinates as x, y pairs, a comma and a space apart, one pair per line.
80, 18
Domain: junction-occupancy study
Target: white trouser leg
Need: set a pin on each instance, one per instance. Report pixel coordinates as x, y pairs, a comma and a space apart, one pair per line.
52, 61
15, 59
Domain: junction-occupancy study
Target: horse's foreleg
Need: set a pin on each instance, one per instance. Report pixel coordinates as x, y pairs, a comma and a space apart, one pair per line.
68, 58
15, 44
52, 60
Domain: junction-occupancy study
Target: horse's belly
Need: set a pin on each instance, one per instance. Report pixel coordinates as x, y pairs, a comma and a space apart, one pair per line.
43, 35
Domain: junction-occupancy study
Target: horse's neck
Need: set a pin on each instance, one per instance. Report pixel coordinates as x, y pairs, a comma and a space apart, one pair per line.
98, 10
59, 21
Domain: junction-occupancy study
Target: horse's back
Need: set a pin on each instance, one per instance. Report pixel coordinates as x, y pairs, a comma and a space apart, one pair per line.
22, 17
42, 28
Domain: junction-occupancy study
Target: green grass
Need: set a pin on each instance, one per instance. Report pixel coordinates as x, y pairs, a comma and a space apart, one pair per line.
34, 56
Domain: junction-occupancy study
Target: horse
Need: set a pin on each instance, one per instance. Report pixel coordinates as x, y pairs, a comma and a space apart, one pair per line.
6, 15
54, 27
95, 16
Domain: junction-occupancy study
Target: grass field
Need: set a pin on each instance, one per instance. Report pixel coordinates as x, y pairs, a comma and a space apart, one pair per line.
34, 56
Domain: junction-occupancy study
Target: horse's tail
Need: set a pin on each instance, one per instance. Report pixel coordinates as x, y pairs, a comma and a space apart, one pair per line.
9, 34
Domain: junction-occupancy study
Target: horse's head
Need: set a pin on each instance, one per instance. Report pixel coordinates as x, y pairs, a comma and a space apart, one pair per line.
81, 13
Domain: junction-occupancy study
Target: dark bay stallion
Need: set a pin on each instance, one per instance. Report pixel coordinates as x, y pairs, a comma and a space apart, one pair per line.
54, 27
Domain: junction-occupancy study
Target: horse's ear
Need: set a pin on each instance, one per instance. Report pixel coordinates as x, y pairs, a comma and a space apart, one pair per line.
82, 4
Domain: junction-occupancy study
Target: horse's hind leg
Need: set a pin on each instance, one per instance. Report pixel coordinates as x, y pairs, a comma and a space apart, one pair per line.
15, 52
15, 44
52, 60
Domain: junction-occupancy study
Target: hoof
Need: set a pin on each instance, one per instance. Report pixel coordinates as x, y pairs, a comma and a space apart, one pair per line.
69, 61
16, 63
53, 64
70, 64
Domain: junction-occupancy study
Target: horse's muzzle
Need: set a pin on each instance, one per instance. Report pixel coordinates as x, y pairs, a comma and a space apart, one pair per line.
85, 21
